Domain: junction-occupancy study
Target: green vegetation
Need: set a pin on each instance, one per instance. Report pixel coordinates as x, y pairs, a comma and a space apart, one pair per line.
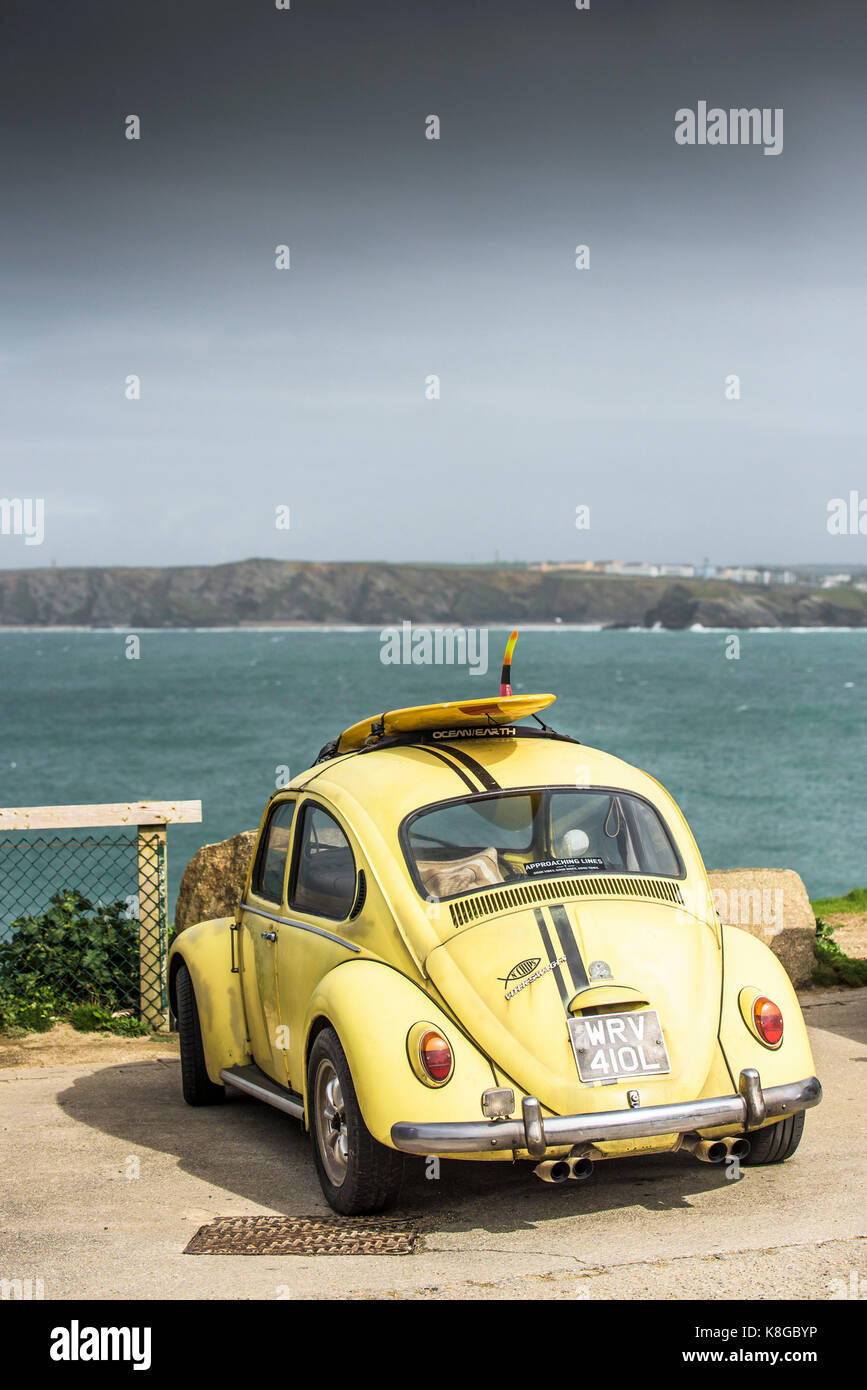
21, 1014
845, 596
856, 901
73, 961
89, 1018
833, 966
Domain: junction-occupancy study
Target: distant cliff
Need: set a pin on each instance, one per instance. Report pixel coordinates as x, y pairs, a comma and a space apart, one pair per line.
255, 592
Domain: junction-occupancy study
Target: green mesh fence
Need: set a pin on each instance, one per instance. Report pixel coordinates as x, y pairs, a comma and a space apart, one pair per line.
83, 921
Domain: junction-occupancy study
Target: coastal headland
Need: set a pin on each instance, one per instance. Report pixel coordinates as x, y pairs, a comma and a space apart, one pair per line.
263, 592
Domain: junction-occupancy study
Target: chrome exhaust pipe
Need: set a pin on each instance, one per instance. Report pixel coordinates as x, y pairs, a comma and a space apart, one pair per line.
553, 1170
562, 1169
707, 1150
737, 1146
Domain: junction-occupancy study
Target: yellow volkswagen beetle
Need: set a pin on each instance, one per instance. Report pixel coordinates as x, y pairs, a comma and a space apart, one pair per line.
465, 936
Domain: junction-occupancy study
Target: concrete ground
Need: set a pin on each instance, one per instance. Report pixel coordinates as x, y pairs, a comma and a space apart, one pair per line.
105, 1175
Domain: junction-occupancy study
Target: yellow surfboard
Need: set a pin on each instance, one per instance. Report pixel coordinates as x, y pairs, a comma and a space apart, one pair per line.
451, 714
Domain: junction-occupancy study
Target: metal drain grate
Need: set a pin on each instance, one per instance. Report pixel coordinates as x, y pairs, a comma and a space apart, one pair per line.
304, 1235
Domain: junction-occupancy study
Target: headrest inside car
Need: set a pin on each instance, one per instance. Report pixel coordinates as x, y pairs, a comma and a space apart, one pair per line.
329, 873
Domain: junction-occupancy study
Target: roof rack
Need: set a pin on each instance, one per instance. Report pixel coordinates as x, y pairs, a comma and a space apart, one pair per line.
425, 737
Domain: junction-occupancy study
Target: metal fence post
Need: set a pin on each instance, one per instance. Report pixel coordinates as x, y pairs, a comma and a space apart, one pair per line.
152, 928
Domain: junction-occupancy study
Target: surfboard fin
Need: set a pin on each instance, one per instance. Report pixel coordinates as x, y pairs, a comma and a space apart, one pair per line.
506, 673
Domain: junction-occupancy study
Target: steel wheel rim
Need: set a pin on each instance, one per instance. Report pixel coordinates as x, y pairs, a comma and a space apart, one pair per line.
332, 1135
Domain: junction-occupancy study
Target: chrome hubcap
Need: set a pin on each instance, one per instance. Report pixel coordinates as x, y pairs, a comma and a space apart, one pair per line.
331, 1131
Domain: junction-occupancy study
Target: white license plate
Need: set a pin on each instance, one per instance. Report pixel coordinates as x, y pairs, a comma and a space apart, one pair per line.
609, 1047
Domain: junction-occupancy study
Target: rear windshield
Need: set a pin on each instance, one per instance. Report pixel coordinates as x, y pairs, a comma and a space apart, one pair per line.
459, 846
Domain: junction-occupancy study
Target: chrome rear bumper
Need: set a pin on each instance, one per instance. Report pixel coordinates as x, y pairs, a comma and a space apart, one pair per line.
537, 1134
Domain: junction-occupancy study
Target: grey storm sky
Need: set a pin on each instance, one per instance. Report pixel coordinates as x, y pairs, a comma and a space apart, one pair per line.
411, 257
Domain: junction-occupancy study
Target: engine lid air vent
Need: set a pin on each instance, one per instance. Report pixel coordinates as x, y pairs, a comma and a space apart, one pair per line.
491, 901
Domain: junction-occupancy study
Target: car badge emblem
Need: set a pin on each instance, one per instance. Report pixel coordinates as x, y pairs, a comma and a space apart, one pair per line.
526, 972
517, 972
600, 970
634, 1099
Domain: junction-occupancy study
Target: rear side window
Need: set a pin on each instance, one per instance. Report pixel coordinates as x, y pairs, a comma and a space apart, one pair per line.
324, 875
270, 869
654, 846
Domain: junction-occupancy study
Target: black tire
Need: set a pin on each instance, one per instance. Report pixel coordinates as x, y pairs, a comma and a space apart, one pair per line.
373, 1173
776, 1143
197, 1086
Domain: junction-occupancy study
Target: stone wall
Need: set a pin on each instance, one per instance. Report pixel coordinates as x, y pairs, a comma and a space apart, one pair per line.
773, 905
213, 880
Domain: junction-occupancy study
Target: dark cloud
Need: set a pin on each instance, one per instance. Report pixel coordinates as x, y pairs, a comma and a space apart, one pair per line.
412, 257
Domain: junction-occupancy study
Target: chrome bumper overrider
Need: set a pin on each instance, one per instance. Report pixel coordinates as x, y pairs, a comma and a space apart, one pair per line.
536, 1133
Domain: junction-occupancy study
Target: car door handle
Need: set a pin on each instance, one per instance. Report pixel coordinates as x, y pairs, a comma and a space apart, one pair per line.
268, 935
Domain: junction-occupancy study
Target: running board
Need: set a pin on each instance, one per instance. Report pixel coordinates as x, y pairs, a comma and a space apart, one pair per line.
254, 1082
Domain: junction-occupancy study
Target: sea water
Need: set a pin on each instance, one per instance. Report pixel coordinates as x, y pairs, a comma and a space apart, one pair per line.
765, 751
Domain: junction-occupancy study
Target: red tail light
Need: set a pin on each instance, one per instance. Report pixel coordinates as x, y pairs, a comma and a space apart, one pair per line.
768, 1020
436, 1056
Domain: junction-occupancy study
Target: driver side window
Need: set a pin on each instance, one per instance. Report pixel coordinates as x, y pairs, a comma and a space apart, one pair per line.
270, 870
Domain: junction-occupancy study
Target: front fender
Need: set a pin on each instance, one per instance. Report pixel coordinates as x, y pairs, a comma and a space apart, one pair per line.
372, 1008
748, 962
206, 950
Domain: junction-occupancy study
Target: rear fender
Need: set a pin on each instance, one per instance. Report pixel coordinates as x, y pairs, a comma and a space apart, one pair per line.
206, 950
749, 963
372, 1008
